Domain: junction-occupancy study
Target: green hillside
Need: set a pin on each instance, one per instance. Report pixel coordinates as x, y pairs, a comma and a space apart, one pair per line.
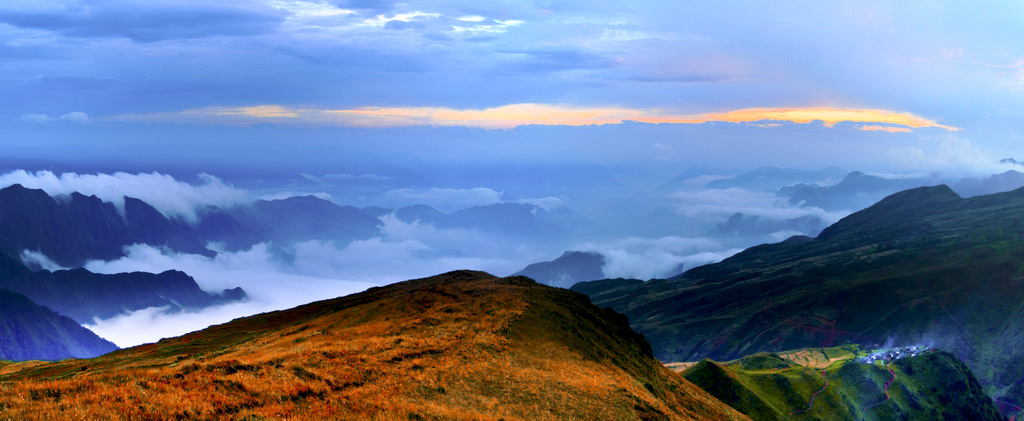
920, 266
769, 386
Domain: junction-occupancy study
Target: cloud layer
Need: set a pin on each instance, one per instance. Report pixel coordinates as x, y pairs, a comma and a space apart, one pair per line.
171, 197
316, 270
653, 258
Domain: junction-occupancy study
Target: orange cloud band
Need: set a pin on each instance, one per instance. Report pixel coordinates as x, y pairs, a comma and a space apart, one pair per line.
890, 129
514, 115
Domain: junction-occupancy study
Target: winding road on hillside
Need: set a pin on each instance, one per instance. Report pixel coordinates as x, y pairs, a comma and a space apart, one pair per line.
810, 401
885, 391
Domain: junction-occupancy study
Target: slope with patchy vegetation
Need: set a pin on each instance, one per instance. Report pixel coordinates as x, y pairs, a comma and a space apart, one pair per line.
463, 345
830, 383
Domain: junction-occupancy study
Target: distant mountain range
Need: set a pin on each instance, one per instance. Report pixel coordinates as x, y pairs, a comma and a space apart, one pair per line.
755, 227
922, 265
856, 191
77, 228
772, 178
85, 296
517, 220
567, 270
284, 221
73, 229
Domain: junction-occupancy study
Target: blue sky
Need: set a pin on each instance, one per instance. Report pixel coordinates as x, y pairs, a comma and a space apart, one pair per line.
899, 85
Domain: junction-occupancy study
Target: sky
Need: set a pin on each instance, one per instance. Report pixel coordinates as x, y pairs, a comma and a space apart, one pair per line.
909, 85
580, 105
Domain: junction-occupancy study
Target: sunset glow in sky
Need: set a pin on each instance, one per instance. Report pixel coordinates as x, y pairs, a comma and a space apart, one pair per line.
514, 115
918, 75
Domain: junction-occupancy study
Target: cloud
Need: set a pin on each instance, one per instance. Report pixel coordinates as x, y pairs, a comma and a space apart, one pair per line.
258, 111
514, 115
549, 203
357, 177
712, 205
309, 9
76, 116
152, 324
271, 285
662, 151
829, 116
890, 129
650, 258
316, 270
281, 195
36, 118
381, 20
171, 197
448, 199
36, 260
609, 34
72, 117
948, 152
146, 21
497, 27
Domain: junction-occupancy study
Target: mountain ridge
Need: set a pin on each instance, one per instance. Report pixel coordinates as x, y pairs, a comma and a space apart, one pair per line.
459, 345
84, 296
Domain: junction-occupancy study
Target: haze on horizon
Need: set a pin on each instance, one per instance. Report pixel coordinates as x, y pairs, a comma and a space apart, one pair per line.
587, 107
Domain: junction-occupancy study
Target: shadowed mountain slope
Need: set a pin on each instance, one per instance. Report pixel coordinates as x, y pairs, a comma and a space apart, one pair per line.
77, 228
31, 331
462, 345
923, 265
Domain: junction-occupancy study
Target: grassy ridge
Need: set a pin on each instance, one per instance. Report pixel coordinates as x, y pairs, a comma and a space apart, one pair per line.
463, 345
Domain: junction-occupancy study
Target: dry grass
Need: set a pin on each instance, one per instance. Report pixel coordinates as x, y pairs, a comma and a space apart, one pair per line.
423, 350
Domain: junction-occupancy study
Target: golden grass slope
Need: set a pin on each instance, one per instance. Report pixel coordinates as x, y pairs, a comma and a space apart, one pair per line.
463, 345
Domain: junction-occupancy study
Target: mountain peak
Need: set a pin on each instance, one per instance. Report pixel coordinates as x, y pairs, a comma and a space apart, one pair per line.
568, 269
890, 212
